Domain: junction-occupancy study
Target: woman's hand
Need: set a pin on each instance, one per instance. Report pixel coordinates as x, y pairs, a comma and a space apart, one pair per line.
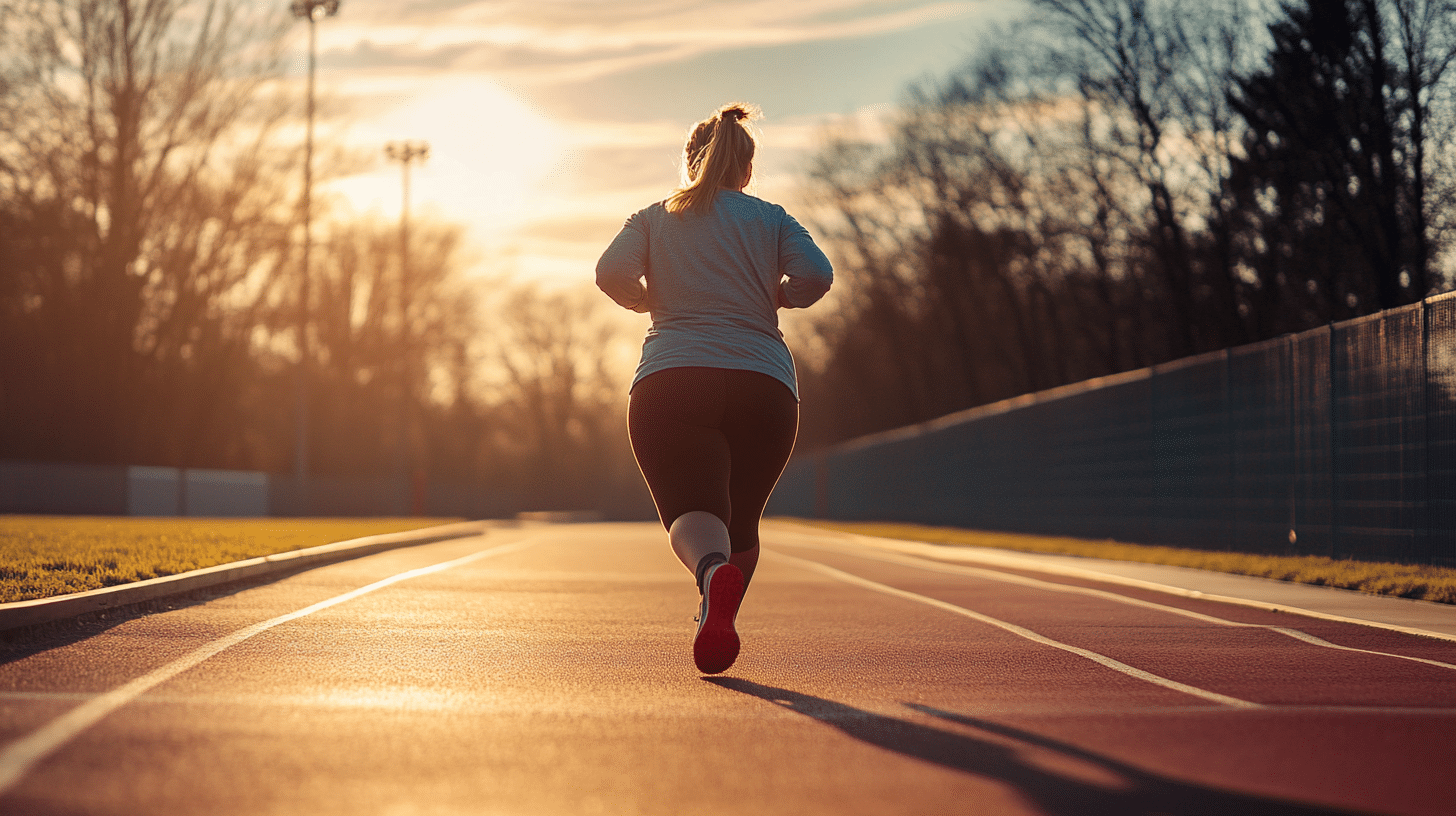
782, 297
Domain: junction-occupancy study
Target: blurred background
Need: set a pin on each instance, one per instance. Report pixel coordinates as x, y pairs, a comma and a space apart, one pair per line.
350, 245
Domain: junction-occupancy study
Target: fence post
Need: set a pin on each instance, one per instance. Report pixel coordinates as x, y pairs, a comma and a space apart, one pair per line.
1333, 403
1298, 477
1152, 528
1426, 542
1231, 513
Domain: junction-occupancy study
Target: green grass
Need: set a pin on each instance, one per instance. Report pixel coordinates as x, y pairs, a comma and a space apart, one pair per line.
1426, 583
44, 556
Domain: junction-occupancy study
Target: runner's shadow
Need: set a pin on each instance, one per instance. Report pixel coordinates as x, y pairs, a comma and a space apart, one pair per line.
1135, 793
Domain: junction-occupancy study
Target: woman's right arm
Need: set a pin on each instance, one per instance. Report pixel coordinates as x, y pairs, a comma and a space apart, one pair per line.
623, 266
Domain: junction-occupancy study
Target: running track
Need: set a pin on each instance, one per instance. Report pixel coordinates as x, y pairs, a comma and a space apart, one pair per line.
546, 670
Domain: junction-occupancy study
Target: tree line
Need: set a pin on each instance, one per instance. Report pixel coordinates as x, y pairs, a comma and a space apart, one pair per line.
1119, 183
150, 306
1110, 184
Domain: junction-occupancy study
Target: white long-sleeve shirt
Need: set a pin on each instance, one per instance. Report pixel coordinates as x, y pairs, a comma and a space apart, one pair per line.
715, 282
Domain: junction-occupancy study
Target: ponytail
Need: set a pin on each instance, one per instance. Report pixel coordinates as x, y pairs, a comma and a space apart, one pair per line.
718, 155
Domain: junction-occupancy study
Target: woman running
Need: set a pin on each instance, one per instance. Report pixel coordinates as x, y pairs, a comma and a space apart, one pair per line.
714, 407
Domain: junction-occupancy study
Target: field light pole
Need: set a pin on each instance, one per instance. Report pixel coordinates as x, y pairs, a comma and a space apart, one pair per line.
313, 11
407, 153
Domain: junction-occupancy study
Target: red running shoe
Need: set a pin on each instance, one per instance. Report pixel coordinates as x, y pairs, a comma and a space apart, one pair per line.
716, 645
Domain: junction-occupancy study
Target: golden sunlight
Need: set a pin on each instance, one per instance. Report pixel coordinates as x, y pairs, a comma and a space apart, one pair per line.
489, 151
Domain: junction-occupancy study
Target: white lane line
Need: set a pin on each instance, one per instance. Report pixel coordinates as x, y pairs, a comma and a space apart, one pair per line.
1020, 631
20, 756
1007, 560
1052, 586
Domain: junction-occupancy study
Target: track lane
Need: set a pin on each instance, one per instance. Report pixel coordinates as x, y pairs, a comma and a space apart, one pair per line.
18, 757
558, 679
1256, 664
1166, 604
1022, 632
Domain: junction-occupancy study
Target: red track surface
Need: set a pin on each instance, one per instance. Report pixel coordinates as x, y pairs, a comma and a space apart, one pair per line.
555, 676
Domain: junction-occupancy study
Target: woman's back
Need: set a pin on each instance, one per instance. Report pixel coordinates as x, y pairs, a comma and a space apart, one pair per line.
713, 282
714, 408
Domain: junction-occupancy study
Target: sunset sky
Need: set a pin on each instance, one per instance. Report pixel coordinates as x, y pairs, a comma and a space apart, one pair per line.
550, 121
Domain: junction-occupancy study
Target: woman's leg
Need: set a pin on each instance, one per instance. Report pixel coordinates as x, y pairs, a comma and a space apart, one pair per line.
760, 424
709, 442
673, 420
699, 539
746, 562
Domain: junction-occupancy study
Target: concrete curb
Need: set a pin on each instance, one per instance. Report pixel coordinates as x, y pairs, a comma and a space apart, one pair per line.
48, 610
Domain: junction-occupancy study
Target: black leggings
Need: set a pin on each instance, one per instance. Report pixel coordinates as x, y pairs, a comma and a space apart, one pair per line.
713, 439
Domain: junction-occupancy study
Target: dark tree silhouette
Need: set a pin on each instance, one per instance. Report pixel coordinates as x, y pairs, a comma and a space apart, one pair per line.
1325, 188
1126, 182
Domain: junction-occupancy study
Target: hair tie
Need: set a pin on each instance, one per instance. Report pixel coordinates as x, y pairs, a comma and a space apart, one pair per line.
734, 113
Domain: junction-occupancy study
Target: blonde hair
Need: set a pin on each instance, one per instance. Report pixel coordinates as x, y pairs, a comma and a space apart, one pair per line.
718, 155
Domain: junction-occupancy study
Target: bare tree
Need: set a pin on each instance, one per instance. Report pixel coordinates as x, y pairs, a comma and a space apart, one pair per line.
140, 162
1157, 74
561, 367
1425, 34
1040, 216
391, 348
1340, 180
987, 250
1104, 194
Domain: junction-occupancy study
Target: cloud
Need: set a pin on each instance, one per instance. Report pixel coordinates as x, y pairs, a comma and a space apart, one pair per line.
594, 230
552, 120
576, 40
371, 56
628, 168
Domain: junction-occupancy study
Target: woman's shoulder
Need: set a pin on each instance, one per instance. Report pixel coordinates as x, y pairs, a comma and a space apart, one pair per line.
645, 217
656, 209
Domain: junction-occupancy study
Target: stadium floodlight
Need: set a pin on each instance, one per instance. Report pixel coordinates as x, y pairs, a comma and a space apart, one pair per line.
407, 153
313, 11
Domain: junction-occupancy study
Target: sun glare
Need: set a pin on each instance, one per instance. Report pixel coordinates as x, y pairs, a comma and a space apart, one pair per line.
489, 151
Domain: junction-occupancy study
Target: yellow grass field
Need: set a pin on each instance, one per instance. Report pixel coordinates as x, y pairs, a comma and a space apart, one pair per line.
1425, 583
43, 556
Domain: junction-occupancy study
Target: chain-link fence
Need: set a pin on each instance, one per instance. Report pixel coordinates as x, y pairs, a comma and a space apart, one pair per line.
1339, 441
